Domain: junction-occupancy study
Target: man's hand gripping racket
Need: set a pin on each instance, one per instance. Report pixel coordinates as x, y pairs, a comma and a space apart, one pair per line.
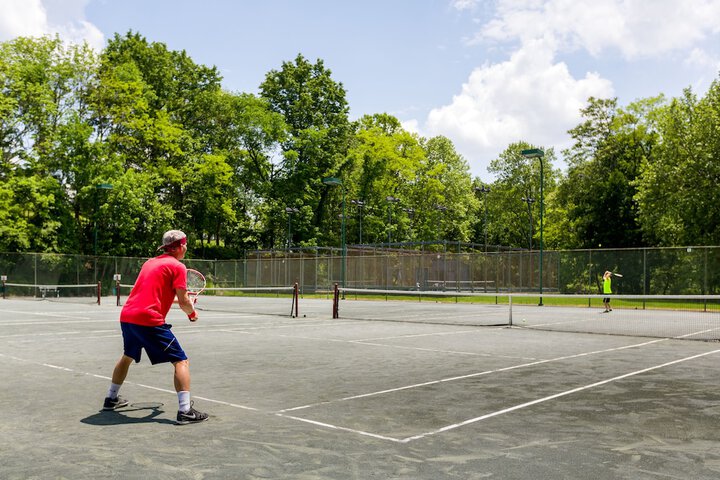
195, 286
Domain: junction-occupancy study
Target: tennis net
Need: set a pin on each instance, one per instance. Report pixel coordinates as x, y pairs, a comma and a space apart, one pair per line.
691, 317
694, 317
276, 301
85, 293
420, 306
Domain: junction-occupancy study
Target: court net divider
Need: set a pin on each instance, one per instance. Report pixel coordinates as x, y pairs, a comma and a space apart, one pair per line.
70, 293
666, 316
261, 300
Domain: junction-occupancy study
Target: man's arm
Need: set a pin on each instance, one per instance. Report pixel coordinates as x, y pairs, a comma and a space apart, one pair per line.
186, 305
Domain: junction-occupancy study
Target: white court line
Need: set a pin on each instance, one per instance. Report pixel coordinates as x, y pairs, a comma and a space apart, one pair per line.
243, 328
371, 341
335, 427
150, 387
210, 400
470, 375
437, 350
699, 332
62, 322
422, 435
33, 334
414, 335
552, 397
384, 345
46, 314
185, 329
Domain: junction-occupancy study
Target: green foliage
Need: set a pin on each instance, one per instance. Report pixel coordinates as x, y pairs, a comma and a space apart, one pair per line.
179, 152
514, 220
679, 191
30, 215
611, 146
315, 146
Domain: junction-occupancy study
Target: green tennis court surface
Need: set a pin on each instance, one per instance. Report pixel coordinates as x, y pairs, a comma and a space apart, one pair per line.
317, 397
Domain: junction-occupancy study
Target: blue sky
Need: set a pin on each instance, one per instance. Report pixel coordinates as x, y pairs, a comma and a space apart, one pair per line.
484, 73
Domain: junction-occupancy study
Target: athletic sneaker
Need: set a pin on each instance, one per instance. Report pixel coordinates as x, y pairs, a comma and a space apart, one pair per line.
114, 403
191, 416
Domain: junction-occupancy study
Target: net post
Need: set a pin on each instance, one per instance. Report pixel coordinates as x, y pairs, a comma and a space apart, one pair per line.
117, 278
99, 291
295, 300
4, 287
510, 310
336, 298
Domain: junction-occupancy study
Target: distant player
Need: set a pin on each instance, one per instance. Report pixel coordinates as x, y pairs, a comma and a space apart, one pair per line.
607, 290
160, 281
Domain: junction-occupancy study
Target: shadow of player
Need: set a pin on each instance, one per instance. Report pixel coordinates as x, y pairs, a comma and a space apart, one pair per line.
121, 417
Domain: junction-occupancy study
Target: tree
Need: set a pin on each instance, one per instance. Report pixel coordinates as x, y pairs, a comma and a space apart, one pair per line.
610, 147
243, 129
679, 190
515, 220
44, 137
442, 182
316, 113
30, 215
155, 111
208, 195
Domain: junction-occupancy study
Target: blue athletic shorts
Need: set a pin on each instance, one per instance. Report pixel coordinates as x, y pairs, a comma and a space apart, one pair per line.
159, 343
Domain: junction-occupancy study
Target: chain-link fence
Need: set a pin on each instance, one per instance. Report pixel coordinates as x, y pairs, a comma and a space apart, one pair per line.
682, 271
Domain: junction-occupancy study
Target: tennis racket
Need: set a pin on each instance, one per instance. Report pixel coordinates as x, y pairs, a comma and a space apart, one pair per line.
195, 283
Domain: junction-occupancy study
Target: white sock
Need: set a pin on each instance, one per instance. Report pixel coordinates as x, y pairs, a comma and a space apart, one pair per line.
184, 401
113, 391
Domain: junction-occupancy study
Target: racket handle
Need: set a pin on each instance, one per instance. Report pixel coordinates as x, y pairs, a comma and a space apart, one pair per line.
193, 316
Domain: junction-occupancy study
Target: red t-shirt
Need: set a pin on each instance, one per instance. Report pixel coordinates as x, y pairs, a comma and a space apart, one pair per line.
154, 291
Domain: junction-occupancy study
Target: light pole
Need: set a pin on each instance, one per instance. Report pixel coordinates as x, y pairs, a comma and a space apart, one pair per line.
390, 199
290, 211
529, 201
537, 153
99, 186
334, 181
359, 204
484, 190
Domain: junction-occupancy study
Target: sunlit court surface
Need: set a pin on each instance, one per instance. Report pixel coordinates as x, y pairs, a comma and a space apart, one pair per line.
317, 397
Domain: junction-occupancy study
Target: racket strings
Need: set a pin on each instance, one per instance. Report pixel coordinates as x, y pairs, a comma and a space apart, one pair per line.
195, 282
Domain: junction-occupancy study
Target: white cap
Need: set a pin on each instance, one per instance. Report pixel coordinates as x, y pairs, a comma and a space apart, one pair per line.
172, 239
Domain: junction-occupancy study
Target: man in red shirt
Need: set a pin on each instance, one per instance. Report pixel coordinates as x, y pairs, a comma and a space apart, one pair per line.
142, 320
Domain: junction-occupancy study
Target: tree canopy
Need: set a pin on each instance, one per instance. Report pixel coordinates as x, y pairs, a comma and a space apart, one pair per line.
102, 152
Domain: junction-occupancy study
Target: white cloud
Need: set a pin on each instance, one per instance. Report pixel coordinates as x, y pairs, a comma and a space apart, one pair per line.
22, 17
464, 4
635, 28
532, 96
35, 18
528, 97
701, 58
411, 126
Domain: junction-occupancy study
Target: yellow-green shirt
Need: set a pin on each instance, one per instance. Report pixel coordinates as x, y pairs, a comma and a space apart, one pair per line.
606, 285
